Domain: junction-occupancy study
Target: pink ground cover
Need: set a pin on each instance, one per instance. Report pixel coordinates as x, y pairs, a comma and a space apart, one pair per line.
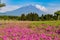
16, 32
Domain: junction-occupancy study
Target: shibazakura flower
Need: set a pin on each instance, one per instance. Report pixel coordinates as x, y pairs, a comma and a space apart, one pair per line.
58, 31
14, 32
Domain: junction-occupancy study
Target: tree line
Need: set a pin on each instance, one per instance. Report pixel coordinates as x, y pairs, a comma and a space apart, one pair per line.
33, 17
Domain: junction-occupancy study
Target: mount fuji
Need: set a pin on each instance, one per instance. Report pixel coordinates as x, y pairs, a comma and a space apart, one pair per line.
25, 10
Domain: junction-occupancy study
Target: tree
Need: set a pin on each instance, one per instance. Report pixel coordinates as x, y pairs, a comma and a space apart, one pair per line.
36, 17
48, 17
57, 14
32, 16
42, 17
23, 17
2, 4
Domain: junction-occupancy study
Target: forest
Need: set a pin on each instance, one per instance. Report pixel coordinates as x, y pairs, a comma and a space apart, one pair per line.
33, 17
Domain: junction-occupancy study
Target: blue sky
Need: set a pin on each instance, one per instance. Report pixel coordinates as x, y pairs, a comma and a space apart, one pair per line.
50, 5
18, 2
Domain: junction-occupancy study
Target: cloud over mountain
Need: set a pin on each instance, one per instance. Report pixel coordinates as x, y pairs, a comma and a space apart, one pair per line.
42, 8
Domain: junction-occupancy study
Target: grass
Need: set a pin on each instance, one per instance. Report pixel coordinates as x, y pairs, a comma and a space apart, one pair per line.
53, 23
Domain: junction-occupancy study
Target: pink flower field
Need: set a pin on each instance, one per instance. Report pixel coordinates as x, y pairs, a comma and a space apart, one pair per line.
24, 31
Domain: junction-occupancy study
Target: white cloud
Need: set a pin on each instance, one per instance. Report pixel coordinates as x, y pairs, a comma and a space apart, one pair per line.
42, 8
9, 8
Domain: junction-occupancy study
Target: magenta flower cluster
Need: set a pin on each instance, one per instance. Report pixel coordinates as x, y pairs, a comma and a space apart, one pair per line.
25, 33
